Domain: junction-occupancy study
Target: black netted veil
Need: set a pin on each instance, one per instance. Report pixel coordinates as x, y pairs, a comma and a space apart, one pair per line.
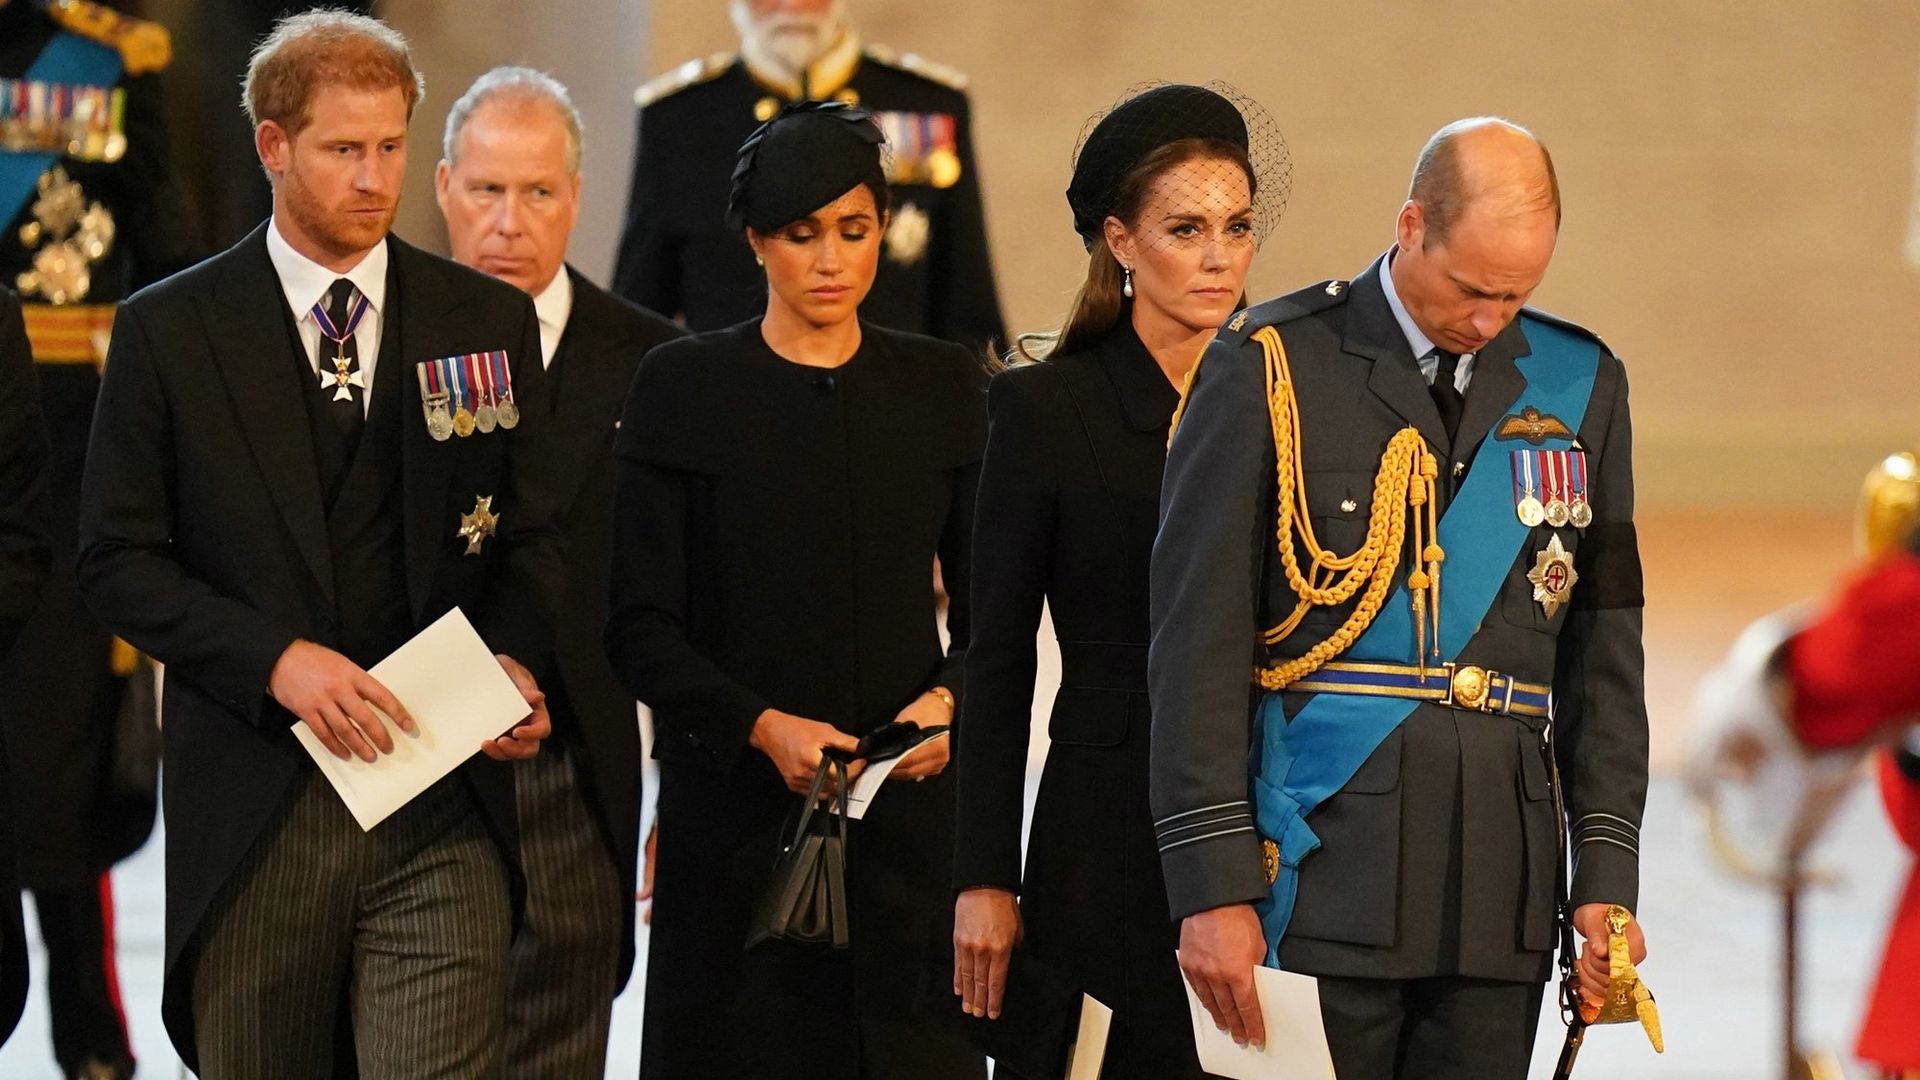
1153, 115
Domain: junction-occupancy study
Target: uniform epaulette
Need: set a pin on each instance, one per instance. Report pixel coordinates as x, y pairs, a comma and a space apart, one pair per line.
143, 46
1286, 308
930, 70
1551, 319
691, 73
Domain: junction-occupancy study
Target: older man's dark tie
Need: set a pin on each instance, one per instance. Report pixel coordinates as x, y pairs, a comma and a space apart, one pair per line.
1447, 396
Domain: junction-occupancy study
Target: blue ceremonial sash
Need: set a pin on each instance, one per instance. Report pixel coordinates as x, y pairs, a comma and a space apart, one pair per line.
70, 59
1304, 762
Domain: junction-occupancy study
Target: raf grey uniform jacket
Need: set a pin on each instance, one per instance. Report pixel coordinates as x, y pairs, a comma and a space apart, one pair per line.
1437, 857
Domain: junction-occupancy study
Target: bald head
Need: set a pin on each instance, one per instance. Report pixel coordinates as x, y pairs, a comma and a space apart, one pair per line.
1477, 231
1482, 164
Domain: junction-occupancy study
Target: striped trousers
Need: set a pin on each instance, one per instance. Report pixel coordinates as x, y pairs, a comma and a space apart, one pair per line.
406, 927
567, 951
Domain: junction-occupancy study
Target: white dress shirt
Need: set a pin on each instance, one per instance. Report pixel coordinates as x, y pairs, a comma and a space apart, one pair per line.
551, 308
1417, 340
305, 284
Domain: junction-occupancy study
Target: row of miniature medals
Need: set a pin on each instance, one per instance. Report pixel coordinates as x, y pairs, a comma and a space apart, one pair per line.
83, 122
478, 386
1550, 487
465, 394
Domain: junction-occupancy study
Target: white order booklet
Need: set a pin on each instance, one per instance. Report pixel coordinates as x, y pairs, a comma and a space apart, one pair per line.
1296, 1046
1089, 1049
866, 786
459, 697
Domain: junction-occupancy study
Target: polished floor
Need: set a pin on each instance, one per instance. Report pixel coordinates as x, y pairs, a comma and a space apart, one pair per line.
1714, 938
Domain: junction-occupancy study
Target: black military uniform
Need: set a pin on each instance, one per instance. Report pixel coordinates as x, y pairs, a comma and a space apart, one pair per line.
678, 257
89, 212
1435, 873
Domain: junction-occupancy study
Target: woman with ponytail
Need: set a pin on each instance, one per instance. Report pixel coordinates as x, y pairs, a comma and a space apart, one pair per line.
1172, 191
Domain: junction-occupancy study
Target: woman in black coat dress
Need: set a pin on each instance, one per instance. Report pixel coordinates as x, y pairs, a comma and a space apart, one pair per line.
1169, 194
784, 489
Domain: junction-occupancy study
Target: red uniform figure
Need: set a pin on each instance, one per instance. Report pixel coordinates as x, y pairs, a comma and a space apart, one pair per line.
1852, 673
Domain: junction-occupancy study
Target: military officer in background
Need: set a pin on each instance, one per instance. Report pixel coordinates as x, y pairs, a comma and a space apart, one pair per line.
678, 257
509, 188
1449, 477
89, 215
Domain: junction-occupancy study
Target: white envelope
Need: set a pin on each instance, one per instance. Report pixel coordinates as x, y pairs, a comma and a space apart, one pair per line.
459, 698
1296, 1047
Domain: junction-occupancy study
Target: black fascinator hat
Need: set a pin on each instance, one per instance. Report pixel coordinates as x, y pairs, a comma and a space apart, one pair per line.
1149, 117
808, 155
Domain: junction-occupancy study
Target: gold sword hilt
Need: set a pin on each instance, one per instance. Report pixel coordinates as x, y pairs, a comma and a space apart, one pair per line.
1628, 998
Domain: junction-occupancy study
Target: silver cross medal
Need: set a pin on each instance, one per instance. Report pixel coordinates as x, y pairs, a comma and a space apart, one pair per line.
340, 378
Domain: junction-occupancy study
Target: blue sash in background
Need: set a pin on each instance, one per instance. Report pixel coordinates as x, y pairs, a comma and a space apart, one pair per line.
74, 61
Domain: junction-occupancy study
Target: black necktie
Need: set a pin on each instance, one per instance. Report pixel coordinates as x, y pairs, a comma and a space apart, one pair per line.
1447, 396
348, 412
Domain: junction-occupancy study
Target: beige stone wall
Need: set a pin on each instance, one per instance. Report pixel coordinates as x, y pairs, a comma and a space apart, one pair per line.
1737, 179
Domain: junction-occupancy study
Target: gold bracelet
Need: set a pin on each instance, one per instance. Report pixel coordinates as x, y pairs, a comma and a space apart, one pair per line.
945, 695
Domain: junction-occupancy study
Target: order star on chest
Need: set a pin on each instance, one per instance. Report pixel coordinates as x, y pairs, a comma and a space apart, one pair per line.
1553, 576
479, 524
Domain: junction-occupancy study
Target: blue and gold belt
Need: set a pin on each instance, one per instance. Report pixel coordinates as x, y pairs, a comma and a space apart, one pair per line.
1457, 686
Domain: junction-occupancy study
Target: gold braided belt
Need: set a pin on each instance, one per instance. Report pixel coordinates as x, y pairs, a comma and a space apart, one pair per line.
1457, 686
1403, 492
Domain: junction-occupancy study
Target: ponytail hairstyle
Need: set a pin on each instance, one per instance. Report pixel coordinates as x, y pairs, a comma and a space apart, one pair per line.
1099, 305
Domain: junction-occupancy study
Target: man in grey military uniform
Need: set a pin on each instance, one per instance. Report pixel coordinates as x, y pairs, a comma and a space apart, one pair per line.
1399, 841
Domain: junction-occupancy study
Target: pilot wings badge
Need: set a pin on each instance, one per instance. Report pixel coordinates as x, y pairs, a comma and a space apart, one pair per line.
1532, 425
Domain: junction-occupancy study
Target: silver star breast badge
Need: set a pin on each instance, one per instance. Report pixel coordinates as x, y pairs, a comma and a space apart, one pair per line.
1552, 576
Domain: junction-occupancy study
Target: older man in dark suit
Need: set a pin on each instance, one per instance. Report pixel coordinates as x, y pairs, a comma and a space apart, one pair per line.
275, 499
1411, 683
509, 187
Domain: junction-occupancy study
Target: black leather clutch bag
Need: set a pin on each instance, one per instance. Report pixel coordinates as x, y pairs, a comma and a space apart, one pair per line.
1039, 1017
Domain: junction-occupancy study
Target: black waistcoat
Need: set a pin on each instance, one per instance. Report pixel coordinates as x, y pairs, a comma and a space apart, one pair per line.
364, 512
